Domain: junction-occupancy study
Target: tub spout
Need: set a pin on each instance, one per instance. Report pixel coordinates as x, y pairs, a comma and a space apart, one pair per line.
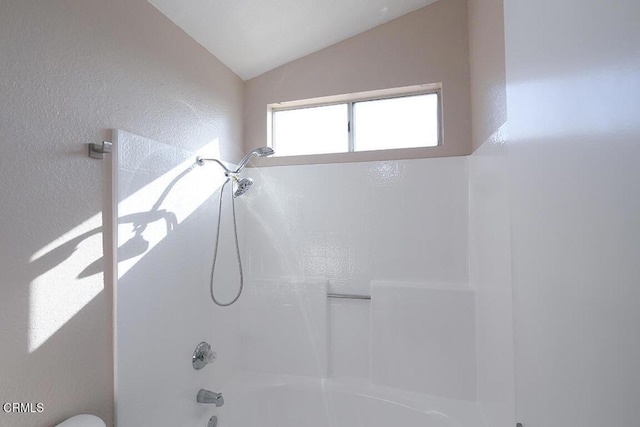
206, 396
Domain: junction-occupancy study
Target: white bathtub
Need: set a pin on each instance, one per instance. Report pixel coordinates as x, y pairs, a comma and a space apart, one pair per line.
289, 401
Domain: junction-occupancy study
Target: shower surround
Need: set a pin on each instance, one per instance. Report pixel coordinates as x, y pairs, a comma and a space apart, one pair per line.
396, 231
393, 230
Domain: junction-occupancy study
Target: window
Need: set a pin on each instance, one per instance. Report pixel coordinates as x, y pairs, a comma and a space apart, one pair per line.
311, 130
382, 120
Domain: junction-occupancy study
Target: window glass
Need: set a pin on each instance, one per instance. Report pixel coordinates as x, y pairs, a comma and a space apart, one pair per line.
371, 121
404, 122
311, 130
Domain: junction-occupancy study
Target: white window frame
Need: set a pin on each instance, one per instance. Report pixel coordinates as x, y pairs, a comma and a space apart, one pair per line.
350, 100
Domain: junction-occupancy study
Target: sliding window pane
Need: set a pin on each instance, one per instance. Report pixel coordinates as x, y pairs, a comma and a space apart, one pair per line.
405, 122
314, 130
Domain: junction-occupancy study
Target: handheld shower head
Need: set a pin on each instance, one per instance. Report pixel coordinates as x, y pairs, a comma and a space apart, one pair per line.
264, 151
243, 186
258, 152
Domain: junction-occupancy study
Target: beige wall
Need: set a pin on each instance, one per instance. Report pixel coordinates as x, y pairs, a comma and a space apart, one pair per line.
426, 46
488, 81
71, 70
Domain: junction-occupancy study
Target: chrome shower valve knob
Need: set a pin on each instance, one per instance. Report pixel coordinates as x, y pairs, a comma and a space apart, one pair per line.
202, 356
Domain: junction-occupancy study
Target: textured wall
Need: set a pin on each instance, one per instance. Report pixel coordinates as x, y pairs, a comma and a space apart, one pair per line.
70, 70
429, 45
486, 60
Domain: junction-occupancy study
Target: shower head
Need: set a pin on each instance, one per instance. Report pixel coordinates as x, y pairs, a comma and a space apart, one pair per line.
243, 186
263, 151
258, 152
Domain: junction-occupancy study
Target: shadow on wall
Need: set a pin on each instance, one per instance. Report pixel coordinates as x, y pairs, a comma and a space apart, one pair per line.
71, 67
66, 253
66, 297
163, 304
133, 247
58, 337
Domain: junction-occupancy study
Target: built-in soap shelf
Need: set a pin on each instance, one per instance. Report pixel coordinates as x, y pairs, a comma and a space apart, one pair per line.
349, 330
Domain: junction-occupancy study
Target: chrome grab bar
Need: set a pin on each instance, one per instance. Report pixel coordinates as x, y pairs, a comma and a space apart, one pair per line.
348, 296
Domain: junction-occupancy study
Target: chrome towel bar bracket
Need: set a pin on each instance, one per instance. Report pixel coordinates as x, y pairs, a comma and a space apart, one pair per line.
98, 150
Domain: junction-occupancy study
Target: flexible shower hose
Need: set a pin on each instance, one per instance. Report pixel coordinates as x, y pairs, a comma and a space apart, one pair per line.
215, 248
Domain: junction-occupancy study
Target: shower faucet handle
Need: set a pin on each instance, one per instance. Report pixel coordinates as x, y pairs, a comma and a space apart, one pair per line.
202, 356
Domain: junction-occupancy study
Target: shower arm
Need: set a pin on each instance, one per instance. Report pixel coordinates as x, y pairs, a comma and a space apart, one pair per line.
258, 152
228, 172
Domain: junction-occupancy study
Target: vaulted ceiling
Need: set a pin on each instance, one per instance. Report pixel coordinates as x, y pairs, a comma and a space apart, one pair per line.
254, 36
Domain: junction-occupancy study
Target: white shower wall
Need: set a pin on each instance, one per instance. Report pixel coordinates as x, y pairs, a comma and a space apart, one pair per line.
490, 277
574, 132
397, 228
167, 211
349, 224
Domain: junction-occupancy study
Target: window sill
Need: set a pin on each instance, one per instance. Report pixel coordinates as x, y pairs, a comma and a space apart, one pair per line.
359, 156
